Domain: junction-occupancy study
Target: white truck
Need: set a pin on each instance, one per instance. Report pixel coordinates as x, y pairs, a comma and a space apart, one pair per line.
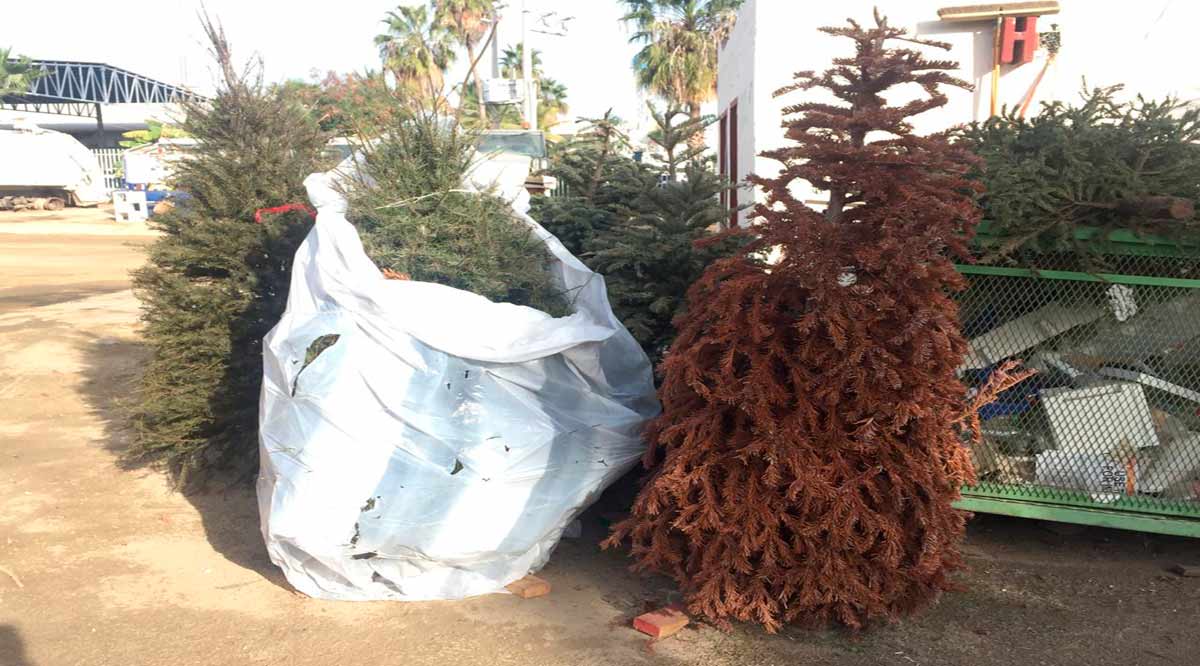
44, 169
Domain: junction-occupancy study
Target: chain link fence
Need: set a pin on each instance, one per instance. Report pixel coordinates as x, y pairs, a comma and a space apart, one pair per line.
1108, 430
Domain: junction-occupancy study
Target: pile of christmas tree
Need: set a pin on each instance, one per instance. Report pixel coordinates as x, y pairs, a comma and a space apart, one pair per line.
217, 278
809, 448
1100, 166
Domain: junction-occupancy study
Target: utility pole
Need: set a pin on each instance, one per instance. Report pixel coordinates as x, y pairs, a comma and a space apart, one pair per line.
529, 84
531, 101
496, 45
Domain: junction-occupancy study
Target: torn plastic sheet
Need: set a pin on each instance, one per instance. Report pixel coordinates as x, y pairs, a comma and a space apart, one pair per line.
438, 448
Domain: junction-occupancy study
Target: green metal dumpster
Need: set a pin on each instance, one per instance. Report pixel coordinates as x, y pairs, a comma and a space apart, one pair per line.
1108, 430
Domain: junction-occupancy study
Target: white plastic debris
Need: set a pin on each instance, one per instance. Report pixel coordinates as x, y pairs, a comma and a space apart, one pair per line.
1172, 468
1153, 382
1099, 419
439, 448
1027, 331
1106, 478
1122, 302
1159, 329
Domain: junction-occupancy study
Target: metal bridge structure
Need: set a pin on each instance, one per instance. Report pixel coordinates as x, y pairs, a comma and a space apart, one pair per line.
72, 88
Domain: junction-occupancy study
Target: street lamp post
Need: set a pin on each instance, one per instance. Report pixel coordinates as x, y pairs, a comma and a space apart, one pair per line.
531, 101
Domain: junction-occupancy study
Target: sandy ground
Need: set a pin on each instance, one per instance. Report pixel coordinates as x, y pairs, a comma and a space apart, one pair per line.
52, 257
105, 565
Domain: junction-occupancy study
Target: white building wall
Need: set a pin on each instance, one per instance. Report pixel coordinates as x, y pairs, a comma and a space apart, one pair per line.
1143, 45
736, 81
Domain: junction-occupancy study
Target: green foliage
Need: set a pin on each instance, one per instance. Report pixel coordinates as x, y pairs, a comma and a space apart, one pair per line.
346, 104
651, 259
649, 240
414, 219
255, 148
552, 102
154, 131
417, 48
511, 62
468, 21
601, 183
1071, 166
680, 38
604, 141
213, 287
671, 138
499, 116
17, 73
552, 96
216, 281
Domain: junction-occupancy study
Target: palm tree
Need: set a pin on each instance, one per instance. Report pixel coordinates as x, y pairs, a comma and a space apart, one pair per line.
416, 50
552, 101
552, 95
17, 74
681, 38
510, 62
468, 21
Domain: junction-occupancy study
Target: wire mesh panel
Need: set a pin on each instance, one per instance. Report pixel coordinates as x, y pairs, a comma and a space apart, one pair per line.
1111, 420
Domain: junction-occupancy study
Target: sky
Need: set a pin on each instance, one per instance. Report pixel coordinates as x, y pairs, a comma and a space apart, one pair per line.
300, 39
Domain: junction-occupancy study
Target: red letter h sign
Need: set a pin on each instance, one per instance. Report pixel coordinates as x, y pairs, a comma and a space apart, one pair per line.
1019, 39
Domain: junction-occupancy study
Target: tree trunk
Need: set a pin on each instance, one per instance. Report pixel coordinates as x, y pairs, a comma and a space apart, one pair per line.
598, 172
483, 118
1157, 207
696, 141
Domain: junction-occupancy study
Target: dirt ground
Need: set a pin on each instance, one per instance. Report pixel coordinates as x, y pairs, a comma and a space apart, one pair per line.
100, 564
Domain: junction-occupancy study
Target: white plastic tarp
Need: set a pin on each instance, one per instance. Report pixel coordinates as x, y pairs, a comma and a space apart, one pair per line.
440, 447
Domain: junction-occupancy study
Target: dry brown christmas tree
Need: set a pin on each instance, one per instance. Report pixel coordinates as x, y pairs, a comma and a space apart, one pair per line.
810, 443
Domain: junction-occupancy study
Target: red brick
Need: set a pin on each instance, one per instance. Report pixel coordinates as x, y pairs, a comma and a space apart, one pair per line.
529, 587
661, 623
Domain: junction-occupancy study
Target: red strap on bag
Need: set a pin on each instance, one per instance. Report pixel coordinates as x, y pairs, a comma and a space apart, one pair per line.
283, 209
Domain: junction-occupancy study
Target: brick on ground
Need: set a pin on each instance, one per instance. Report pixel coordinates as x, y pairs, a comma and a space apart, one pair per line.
661, 623
529, 587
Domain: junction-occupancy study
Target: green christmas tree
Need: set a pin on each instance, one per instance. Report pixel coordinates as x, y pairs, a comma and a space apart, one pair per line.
416, 219
649, 239
673, 138
651, 258
600, 181
217, 280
